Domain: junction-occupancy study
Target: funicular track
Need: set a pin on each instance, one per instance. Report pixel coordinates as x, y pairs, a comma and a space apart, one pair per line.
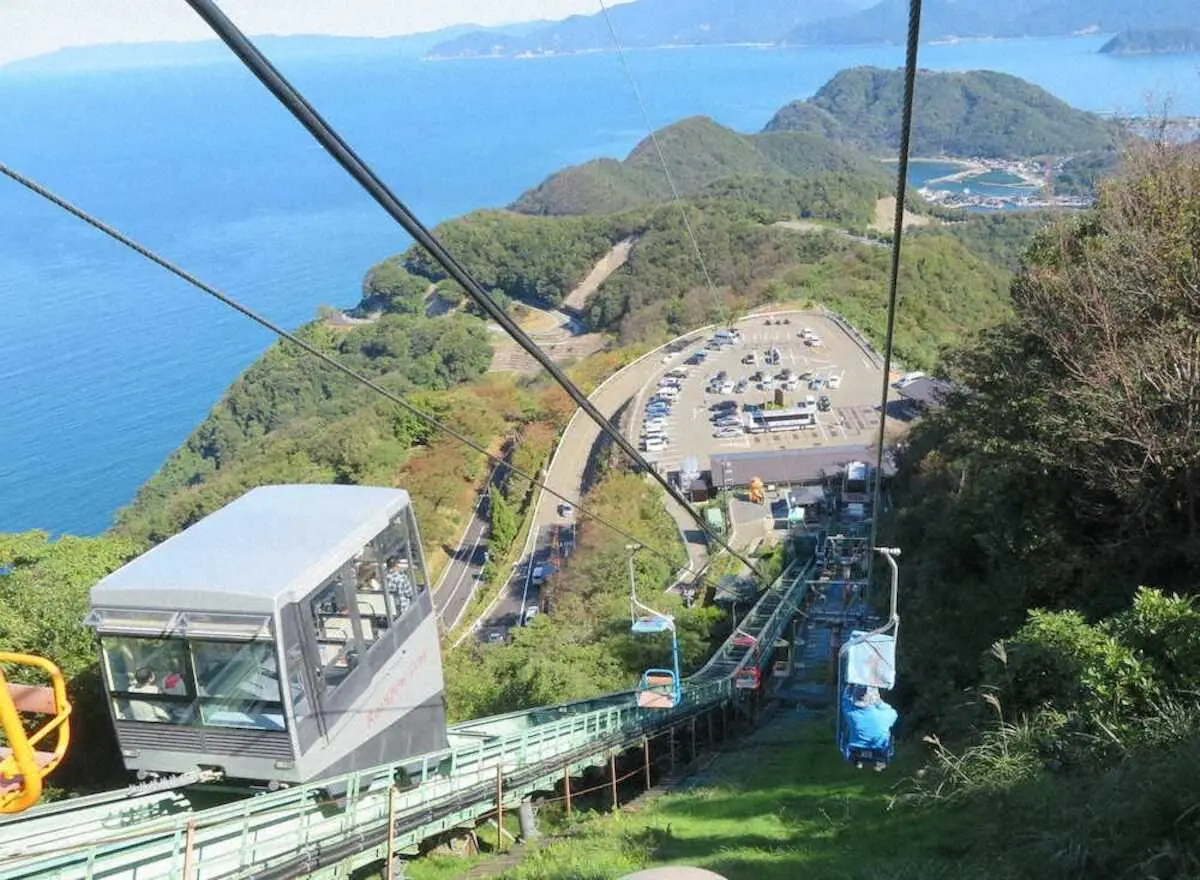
326, 829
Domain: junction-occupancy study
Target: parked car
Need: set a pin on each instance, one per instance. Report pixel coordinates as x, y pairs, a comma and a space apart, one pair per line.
729, 422
724, 433
751, 358
724, 404
908, 378
741, 386
823, 403
834, 382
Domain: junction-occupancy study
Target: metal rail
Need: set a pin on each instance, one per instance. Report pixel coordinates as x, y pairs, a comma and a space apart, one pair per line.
329, 827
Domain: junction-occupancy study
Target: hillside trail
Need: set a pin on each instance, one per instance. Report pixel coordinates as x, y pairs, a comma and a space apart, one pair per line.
609, 263
560, 331
885, 216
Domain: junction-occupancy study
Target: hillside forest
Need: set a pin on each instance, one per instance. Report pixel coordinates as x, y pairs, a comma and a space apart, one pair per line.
1033, 508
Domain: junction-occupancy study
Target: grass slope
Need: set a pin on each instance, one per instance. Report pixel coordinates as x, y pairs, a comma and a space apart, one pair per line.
782, 806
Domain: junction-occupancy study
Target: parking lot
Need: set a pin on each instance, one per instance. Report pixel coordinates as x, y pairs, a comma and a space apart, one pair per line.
852, 418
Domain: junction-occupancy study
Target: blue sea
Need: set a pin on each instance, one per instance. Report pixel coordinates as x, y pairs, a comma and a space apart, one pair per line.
107, 363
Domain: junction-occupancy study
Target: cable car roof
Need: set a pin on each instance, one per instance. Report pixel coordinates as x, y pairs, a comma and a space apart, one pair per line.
268, 548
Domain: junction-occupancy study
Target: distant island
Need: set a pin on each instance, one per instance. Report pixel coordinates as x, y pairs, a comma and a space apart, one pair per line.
1154, 41
678, 23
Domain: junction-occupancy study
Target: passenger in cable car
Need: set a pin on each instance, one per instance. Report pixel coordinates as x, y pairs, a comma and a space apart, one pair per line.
174, 684
869, 722
368, 578
146, 682
399, 584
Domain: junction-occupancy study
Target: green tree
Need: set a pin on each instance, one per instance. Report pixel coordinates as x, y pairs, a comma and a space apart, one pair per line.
504, 521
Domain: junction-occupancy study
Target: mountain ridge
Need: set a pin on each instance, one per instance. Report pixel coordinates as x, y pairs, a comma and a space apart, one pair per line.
978, 113
675, 23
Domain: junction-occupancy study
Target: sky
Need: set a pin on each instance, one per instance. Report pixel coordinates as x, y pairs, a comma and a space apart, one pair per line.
36, 27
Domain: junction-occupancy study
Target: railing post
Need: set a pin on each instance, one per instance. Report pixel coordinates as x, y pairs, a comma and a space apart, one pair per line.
612, 771
646, 753
567, 787
391, 841
189, 849
499, 809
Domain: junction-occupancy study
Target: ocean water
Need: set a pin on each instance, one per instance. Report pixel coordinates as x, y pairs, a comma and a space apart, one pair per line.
107, 363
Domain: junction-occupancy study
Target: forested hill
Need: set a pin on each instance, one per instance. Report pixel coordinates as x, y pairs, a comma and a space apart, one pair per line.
977, 113
699, 154
1155, 41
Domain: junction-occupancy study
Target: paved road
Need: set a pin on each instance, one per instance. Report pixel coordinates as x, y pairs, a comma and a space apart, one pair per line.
454, 591
554, 543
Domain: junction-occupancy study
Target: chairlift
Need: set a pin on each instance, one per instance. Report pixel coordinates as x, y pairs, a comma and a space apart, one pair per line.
658, 688
32, 752
749, 677
868, 660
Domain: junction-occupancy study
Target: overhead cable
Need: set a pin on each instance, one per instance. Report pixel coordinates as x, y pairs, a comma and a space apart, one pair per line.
910, 80
111, 232
722, 312
345, 156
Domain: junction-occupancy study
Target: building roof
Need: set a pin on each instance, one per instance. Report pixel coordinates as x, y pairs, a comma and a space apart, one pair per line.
267, 549
926, 391
785, 465
803, 496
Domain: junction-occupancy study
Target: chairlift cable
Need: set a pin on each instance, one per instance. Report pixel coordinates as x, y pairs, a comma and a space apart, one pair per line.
331, 361
722, 312
344, 155
910, 78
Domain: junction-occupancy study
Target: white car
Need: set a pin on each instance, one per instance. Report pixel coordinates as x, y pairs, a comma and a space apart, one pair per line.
723, 433
833, 382
670, 392
530, 613
908, 378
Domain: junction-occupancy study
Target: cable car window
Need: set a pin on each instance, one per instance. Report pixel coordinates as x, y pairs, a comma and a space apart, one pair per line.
238, 684
370, 601
301, 707
403, 574
337, 641
149, 679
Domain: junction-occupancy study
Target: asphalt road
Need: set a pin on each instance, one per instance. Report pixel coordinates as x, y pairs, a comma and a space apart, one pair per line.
554, 544
454, 591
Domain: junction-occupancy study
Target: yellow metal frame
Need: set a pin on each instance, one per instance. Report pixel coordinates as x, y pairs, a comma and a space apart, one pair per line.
23, 766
